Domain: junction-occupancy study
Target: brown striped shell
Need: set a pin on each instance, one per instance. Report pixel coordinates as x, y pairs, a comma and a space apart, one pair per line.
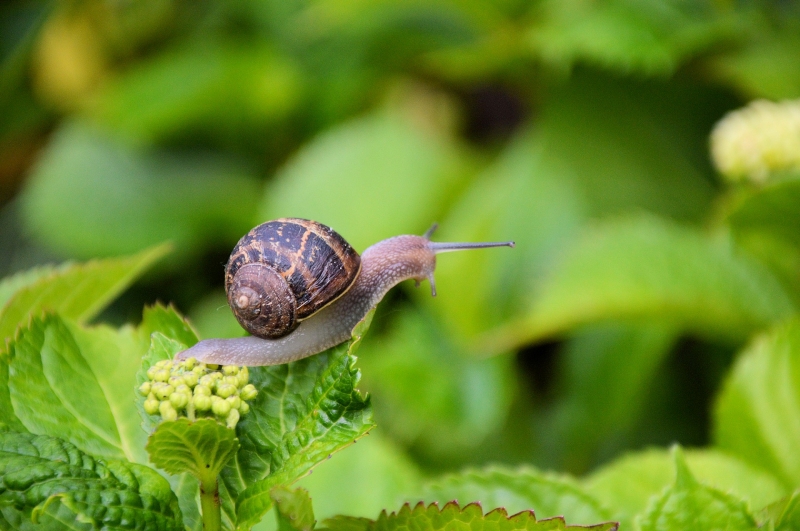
284, 271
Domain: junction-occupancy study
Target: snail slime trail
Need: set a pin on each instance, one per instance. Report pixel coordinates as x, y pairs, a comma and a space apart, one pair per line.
299, 288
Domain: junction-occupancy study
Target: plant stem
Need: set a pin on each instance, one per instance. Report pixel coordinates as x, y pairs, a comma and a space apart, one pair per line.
209, 505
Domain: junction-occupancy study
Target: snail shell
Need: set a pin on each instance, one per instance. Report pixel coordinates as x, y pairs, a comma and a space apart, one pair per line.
286, 270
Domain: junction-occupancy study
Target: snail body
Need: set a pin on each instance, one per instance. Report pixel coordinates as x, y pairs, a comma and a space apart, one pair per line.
329, 316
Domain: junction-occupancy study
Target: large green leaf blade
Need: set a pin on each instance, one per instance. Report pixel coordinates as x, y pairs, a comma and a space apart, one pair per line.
338, 169
757, 414
642, 267
304, 412
47, 478
79, 383
548, 495
452, 517
93, 195
77, 291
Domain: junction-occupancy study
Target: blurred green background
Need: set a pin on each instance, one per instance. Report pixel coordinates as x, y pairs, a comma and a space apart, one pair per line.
578, 128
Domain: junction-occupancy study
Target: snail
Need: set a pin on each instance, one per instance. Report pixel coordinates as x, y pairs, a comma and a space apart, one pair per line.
299, 288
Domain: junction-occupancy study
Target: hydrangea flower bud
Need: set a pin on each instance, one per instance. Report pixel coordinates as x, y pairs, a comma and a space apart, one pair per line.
220, 407
758, 140
202, 402
167, 411
233, 418
248, 392
224, 390
163, 391
151, 406
193, 390
178, 400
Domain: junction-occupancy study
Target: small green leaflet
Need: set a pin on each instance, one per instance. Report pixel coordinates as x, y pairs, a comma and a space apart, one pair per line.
200, 448
293, 509
46, 479
690, 506
305, 411
453, 518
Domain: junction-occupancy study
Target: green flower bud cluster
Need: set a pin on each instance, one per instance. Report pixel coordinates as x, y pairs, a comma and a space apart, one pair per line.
758, 140
193, 390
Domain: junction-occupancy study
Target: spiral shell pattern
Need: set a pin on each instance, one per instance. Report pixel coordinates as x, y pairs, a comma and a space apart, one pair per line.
315, 262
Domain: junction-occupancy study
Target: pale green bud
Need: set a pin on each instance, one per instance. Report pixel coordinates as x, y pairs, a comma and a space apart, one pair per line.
224, 390
233, 380
234, 401
202, 390
151, 406
162, 375
175, 381
167, 411
178, 400
184, 389
202, 402
163, 391
151, 372
244, 377
212, 366
207, 381
230, 370
200, 370
190, 379
144, 389
162, 364
221, 408
244, 408
189, 363
758, 140
233, 418
248, 392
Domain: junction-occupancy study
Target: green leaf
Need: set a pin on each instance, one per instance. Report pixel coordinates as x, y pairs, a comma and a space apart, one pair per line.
689, 505
518, 490
201, 448
770, 208
452, 517
783, 515
629, 483
429, 393
187, 90
91, 195
371, 475
764, 67
648, 37
606, 372
338, 169
757, 413
76, 291
304, 412
50, 479
77, 385
167, 321
519, 197
644, 268
12, 284
293, 509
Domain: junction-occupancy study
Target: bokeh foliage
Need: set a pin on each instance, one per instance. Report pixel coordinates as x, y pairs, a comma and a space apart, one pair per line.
579, 129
